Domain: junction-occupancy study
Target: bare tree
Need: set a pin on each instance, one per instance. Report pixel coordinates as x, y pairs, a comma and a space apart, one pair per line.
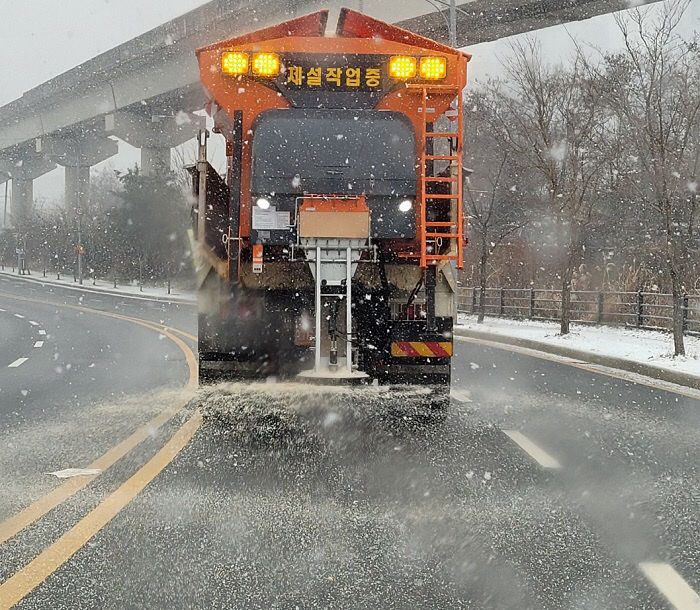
495, 196
653, 87
552, 121
184, 156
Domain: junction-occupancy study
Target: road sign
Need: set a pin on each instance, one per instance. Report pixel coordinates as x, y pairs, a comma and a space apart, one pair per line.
257, 258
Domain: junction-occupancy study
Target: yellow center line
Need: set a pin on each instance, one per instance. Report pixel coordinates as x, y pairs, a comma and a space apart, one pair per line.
40, 507
182, 333
18, 586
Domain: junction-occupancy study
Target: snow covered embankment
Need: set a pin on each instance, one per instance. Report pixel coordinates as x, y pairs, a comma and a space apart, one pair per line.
644, 346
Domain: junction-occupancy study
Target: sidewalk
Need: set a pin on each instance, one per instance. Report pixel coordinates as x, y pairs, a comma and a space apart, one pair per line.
644, 351
150, 293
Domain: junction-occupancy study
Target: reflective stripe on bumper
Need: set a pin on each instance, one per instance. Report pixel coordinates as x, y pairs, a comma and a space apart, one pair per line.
421, 349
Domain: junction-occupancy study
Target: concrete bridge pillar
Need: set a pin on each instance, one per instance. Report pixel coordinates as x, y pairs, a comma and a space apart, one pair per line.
23, 166
155, 159
22, 199
155, 135
77, 153
4, 185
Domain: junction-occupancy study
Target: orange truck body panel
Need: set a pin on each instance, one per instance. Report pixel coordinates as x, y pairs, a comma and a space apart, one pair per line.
357, 34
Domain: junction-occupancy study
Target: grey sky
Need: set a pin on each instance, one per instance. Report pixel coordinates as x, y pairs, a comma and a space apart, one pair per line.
42, 38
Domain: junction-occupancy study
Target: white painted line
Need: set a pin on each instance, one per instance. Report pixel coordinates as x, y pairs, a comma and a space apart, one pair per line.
637, 378
19, 316
42, 332
460, 395
539, 455
16, 363
33, 323
39, 344
671, 584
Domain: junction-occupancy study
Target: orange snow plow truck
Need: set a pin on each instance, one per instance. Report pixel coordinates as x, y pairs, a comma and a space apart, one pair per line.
329, 248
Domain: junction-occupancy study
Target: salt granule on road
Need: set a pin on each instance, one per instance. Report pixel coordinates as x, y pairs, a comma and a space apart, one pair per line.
282, 416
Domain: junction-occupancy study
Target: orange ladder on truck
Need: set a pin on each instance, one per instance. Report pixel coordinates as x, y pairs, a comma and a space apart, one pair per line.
431, 232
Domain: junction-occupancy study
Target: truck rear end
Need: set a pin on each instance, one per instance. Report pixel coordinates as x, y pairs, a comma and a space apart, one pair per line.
329, 248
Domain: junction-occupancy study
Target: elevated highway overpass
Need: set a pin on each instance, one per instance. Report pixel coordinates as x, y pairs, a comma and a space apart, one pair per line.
146, 91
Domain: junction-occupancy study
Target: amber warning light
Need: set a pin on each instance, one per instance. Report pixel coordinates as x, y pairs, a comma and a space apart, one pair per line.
405, 67
433, 68
266, 64
238, 63
234, 62
402, 66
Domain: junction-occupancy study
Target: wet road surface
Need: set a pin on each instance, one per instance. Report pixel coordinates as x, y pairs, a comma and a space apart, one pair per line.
546, 486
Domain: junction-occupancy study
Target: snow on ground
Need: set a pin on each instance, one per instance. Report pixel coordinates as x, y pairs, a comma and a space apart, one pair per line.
161, 292
646, 346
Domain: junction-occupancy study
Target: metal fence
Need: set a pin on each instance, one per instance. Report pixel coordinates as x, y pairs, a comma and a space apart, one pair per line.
650, 310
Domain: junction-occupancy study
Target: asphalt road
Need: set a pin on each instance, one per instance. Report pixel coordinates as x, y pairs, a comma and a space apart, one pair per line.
87, 381
547, 486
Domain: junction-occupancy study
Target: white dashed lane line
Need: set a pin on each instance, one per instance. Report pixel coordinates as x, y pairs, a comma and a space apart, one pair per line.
21, 361
539, 455
460, 395
671, 584
16, 363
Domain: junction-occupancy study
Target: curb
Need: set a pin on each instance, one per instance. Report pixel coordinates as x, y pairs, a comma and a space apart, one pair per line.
684, 379
98, 290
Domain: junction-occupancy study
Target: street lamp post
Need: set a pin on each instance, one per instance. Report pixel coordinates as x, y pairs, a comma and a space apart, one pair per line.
4, 214
79, 210
79, 213
453, 23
